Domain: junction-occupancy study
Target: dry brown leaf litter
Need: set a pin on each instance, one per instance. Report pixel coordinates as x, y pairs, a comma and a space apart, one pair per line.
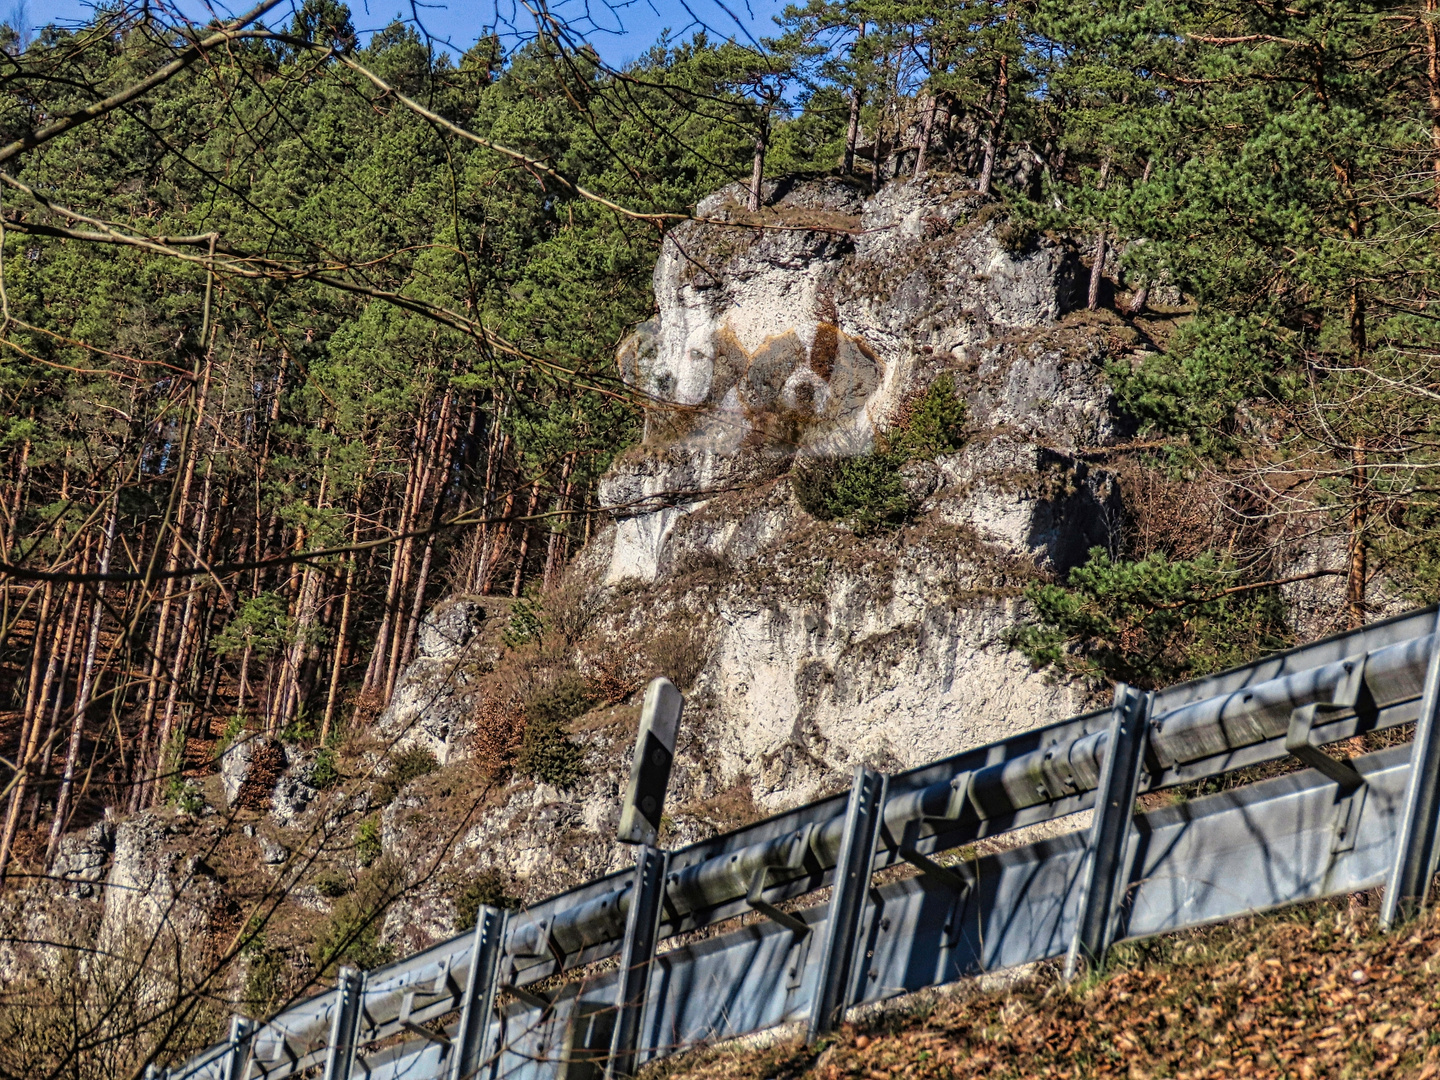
1313, 992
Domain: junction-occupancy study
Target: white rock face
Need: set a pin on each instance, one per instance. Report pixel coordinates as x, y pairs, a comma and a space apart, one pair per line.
793, 341
820, 649
807, 648
431, 704
834, 664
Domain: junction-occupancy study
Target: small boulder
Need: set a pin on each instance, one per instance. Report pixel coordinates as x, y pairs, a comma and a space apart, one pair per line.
449, 628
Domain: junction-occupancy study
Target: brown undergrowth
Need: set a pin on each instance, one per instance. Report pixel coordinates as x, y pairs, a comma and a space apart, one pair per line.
1315, 991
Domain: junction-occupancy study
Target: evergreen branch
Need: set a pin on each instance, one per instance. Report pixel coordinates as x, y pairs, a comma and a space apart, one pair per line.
227, 33
1235, 590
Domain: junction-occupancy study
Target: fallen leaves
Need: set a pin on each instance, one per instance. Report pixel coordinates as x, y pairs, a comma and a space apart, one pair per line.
1314, 993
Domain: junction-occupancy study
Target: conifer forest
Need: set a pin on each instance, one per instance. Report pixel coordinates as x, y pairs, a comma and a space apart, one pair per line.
304, 329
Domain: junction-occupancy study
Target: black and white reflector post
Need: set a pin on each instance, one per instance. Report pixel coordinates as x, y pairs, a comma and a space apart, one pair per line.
650, 769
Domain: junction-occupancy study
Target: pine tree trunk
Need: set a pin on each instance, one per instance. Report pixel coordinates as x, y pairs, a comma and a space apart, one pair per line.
375, 673
926, 128
34, 717
997, 122
439, 465
342, 635
188, 628
1357, 571
488, 576
1357, 576
757, 173
82, 700
552, 550
525, 538
1097, 268
852, 126
852, 135
1097, 272
7, 538
48, 748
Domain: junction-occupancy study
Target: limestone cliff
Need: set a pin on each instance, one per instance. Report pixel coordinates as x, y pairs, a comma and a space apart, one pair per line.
803, 648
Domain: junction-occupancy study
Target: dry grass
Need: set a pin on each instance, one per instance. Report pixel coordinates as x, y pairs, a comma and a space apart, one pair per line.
1315, 991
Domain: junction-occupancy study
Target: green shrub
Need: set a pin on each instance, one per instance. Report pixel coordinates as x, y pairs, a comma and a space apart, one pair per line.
411, 763
933, 423
1016, 235
865, 492
298, 730
264, 977
184, 795
546, 752
560, 701
405, 765
332, 883
326, 773
367, 842
352, 932
525, 626
486, 887
262, 625
234, 728
1149, 622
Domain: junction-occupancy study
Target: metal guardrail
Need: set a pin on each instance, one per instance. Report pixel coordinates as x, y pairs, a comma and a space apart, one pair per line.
1332, 828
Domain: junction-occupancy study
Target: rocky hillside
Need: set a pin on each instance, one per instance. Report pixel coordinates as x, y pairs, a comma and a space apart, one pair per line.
871, 424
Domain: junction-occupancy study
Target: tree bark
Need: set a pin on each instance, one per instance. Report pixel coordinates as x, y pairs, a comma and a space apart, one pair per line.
48, 747
926, 127
562, 504
82, 700
997, 121
375, 673
1357, 570
342, 635
1097, 267
1432, 77
35, 700
757, 173
525, 538
852, 126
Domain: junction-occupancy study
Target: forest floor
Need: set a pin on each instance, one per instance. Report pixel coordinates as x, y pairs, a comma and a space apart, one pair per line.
1313, 991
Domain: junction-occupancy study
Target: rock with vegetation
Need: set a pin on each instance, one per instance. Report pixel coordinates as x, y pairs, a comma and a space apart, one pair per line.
868, 441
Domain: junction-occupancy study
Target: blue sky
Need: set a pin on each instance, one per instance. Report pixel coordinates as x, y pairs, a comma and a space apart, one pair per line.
619, 29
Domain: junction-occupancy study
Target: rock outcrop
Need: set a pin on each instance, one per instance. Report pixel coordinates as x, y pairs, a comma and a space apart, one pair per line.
804, 648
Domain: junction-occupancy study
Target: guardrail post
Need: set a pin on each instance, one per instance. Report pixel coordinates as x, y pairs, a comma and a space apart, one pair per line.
345, 1024
847, 900
1103, 873
1415, 847
237, 1060
472, 1046
642, 933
